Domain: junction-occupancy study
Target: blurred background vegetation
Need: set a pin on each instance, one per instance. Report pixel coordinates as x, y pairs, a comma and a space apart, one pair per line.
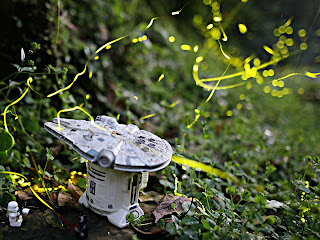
255, 126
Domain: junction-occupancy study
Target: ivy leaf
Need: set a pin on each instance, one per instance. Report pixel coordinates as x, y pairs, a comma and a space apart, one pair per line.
82, 183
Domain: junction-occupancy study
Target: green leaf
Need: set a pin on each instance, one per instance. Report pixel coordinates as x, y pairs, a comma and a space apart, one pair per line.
160, 223
231, 190
260, 200
170, 228
6, 140
82, 183
26, 162
205, 224
246, 195
189, 221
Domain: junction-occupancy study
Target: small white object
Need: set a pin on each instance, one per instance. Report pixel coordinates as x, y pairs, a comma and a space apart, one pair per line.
14, 215
25, 210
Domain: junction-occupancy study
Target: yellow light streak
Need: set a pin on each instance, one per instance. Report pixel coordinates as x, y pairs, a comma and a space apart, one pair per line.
203, 167
175, 103
70, 85
185, 47
161, 77
109, 43
29, 80
151, 22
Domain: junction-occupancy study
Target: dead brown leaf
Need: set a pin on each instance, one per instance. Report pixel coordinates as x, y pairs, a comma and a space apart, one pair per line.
75, 191
164, 206
22, 195
65, 199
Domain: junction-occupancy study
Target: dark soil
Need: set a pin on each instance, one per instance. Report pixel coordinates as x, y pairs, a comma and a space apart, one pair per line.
45, 225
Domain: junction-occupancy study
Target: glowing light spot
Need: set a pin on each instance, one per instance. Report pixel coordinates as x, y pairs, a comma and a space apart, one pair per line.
144, 37
96, 57
275, 83
172, 39
90, 74
244, 1
249, 86
215, 6
282, 29
265, 73
281, 84
256, 62
276, 32
302, 32
285, 91
270, 72
87, 96
300, 90
280, 44
280, 94
140, 39
282, 38
303, 46
207, 2
118, 117
134, 40
242, 97
136, 98
229, 113
108, 47
259, 80
195, 68
196, 48
274, 93
217, 19
239, 106
161, 77
289, 30
242, 28
210, 26
267, 89
284, 51
197, 19
199, 59
215, 33
185, 47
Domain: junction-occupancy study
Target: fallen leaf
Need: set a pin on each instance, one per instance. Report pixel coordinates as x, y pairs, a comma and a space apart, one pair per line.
164, 207
22, 195
75, 191
67, 200
146, 198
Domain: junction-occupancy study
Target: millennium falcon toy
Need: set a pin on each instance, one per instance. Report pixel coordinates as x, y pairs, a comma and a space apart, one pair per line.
113, 145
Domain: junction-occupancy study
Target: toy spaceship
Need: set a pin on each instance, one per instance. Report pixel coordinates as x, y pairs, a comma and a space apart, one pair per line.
119, 159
